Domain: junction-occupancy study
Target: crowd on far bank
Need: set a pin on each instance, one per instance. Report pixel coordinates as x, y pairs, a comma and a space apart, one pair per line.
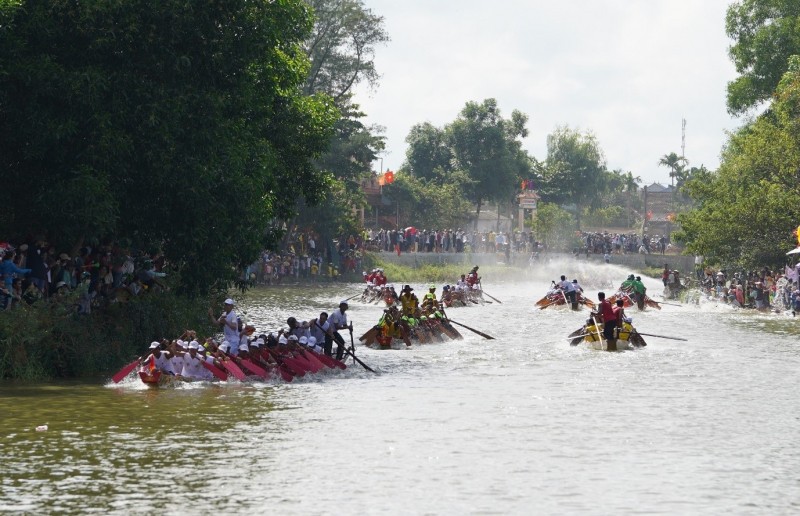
607, 243
93, 276
765, 289
413, 240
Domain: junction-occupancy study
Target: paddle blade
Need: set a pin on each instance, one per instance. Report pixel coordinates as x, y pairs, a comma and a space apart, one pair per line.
234, 370
125, 371
216, 371
253, 368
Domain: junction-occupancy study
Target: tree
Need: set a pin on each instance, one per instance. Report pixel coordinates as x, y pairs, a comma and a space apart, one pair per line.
486, 147
746, 211
766, 35
574, 170
179, 125
674, 163
428, 155
341, 47
549, 225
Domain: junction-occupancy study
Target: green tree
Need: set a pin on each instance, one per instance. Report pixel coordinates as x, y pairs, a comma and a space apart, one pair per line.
428, 155
341, 47
574, 170
179, 125
486, 147
674, 163
550, 225
766, 35
746, 211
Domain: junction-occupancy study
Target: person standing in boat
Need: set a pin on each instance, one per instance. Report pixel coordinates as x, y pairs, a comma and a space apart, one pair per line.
338, 321
569, 292
229, 323
318, 328
605, 314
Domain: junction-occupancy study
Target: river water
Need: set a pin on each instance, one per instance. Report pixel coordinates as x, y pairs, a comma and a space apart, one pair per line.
523, 424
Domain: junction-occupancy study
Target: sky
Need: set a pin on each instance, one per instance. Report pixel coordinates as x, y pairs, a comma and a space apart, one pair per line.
628, 71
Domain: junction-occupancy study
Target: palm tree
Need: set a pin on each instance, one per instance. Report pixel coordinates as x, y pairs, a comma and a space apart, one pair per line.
675, 164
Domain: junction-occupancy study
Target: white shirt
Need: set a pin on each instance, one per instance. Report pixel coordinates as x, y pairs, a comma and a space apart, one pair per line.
338, 319
318, 333
231, 334
193, 367
566, 286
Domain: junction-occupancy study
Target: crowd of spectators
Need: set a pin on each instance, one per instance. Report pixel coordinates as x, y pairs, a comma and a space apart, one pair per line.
763, 290
621, 243
95, 275
413, 240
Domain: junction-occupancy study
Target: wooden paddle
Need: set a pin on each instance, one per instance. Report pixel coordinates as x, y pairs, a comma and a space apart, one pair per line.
663, 336
253, 368
490, 297
234, 369
484, 335
216, 371
365, 366
125, 371
353, 297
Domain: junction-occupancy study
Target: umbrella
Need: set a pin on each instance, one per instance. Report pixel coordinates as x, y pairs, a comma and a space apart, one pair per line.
411, 230
794, 251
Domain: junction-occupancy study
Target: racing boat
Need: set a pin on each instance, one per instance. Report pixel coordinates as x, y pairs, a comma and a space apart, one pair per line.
592, 336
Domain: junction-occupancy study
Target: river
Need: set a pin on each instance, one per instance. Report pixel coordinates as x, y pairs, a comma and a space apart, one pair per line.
523, 424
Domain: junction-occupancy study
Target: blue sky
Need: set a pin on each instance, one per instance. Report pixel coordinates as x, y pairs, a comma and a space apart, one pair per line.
627, 71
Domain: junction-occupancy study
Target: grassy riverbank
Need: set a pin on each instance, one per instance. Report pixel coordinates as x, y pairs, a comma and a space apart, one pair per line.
49, 340
442, 273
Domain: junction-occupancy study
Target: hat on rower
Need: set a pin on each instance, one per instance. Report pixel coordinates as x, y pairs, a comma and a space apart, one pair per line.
312, 341
282, 340
574, 281
154, 344
293, 337
343, 302
225, 346
303, 340
431, 287
258, 342
407, 288
244, 347
194, 345
630, 276
229, 301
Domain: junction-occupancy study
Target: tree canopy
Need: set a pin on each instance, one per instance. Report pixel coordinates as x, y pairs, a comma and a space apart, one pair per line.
182, 126
574, 170
748, 209
766, 34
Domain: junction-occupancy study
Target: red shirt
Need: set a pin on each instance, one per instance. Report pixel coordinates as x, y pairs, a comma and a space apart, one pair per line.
616, 310
607, 311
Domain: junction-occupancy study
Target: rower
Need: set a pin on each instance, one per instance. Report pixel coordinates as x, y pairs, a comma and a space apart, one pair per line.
569, 292
607, 317
429, 302
159, 359
338, 320
408, 301
229, 322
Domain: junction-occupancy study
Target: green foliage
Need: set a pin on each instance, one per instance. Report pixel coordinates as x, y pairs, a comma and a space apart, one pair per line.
486, 147
615, 216
574, 171
179, 125
49, 340
553, 225
428, 155
766, 35
748, 209
341, 47
426, 204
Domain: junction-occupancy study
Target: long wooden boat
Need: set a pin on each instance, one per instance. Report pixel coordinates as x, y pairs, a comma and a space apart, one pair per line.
158, 379
592, 336
558, 298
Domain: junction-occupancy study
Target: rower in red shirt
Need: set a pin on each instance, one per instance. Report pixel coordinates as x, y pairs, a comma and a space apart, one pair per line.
608, 316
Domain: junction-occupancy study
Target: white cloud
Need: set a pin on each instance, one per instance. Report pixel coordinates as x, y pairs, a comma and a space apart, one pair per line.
628, 71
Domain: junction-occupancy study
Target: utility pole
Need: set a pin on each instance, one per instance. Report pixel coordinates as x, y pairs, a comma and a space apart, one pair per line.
683, 138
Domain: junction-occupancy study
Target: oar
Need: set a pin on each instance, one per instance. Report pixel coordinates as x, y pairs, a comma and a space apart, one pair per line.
365, 366
125, 371
253, 368
353, 297
597, 329
216, 371
490, 297
484, 335
234, 369
663, 336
